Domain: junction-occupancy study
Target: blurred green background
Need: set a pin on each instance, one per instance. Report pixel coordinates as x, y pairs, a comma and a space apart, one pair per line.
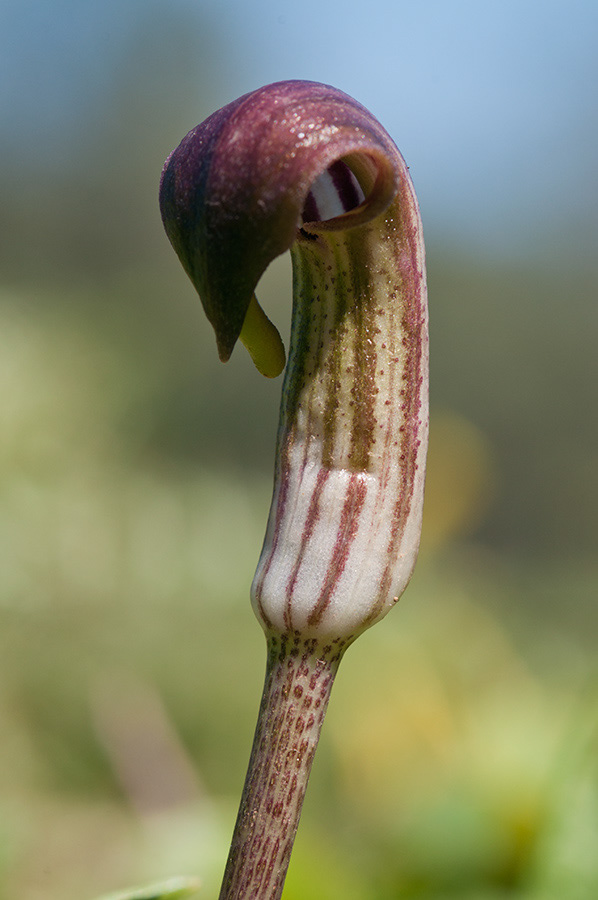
459, 759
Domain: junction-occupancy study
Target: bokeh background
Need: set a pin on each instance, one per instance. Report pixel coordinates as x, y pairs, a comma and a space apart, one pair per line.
459, 759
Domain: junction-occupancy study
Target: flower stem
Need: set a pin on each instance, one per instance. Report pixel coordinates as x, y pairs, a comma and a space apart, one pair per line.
299, 678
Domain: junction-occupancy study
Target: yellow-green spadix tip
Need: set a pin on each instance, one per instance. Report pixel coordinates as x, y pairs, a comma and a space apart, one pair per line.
262, 340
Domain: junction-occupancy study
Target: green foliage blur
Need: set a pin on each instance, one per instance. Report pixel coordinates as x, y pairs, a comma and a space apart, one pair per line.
460, 755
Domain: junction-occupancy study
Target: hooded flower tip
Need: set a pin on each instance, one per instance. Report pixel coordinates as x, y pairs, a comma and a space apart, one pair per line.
238, 188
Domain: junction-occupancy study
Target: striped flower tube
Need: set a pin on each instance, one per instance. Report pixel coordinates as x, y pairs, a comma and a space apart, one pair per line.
302, 166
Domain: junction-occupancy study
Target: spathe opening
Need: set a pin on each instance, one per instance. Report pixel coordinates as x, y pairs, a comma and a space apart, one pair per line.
352, 190
334, 193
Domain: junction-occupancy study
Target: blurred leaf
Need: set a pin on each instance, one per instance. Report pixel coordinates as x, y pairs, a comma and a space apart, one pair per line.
173, 889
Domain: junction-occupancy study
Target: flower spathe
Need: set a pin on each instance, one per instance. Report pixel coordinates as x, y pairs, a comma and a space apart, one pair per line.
299, 165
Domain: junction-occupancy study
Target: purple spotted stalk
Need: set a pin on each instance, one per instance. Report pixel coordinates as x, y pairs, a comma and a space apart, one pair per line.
302, 166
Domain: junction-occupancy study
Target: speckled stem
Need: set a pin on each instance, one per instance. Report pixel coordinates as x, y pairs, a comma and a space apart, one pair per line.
299, 678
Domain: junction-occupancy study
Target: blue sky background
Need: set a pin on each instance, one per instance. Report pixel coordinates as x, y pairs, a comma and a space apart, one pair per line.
493, 104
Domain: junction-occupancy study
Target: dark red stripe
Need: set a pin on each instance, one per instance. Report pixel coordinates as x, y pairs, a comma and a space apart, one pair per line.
344, 183
311, 212
356, 493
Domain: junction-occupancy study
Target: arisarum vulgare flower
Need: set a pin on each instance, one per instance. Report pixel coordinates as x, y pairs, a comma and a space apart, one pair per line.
302, 166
